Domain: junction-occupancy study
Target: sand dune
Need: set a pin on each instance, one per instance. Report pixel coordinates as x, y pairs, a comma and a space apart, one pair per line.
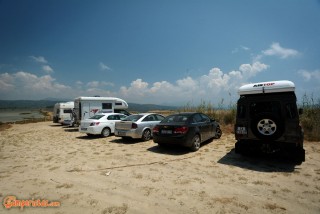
110, 175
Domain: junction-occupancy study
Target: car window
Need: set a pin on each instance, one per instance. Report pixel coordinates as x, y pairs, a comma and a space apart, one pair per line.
265, 107
159, 117
197, 118
291, 110
122, 116
97, 116
133, 118
205, 118
175, 119
149, 118
241, 111
113, 117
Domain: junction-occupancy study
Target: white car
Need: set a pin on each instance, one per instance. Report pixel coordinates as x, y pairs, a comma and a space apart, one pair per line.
100, 124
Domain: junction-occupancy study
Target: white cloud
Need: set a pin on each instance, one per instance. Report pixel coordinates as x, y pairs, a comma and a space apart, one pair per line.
103, 66
39, 59
276, 50
212, 86
24, 85
47, 69
6, 82
310, 75
236, 50
97, 84
215, 85
250, 70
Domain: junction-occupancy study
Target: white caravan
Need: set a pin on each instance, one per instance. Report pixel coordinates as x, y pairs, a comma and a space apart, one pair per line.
86, 107
62, 112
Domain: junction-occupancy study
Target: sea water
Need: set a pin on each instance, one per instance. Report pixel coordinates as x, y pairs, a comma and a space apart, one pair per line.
7, 115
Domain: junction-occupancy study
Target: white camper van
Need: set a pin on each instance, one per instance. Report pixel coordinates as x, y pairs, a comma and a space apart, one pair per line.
62, 112
86, 107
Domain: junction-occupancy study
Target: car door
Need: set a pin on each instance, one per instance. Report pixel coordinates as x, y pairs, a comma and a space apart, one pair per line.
208, 126
199, 122
112, 120
149, 121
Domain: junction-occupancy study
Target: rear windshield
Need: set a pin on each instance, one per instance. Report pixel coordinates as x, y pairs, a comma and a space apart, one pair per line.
176, 119
265, 107
133, 118
97, 116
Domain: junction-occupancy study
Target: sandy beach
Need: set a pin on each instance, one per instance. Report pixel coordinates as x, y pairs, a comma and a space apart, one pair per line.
110, 175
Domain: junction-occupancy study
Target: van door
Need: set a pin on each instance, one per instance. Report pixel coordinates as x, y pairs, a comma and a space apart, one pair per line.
85, 110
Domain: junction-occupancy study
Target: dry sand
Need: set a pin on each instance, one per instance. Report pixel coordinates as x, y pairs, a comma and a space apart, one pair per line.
110, 175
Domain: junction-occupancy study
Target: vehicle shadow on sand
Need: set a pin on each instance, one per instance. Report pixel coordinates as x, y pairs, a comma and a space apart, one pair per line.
175, 149
169, 149
258, 162
70, 129
127, 140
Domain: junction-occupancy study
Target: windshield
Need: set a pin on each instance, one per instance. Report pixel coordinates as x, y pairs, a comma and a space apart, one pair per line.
133, 118
176, 119
97, 117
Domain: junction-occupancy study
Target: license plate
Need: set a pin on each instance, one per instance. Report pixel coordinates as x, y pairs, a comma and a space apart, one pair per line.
83, 129
166, 131
121, 133
241, 130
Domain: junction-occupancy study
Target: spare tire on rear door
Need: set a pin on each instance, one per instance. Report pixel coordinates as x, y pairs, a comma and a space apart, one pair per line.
267, 127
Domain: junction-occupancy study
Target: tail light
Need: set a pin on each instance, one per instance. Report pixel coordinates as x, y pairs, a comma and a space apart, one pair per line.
134, 126
94, 124
181, 130
155, 129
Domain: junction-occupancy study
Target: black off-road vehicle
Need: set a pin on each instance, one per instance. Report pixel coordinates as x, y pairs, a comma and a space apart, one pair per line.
267, 120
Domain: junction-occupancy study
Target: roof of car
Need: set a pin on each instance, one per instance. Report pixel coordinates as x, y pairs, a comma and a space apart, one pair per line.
143, 114
107, 114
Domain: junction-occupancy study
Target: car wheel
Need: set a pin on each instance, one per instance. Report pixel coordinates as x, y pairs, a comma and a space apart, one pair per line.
267, 127
105, 132
218, 133
196, 142
146, 135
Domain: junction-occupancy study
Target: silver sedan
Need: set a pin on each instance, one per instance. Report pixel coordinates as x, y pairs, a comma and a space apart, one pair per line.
137, 126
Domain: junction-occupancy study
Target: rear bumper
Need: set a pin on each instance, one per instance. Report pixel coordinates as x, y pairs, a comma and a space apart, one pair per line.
127, 133
174, 140
89, 130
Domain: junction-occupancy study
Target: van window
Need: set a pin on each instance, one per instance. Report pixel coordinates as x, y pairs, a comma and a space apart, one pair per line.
291, 110
118, 104
265, 107
67, 111
106, 105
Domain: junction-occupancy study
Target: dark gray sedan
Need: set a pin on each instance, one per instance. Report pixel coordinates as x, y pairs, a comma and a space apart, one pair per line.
187, 129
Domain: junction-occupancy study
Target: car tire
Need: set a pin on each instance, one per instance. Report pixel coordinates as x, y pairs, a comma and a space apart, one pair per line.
218, 133
105, 132
146, 135
267, 127
195, 143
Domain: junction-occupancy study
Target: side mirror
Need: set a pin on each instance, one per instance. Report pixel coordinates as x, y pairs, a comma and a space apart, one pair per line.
300, 111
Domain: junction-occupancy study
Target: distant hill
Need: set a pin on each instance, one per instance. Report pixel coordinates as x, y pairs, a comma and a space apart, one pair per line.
41, 104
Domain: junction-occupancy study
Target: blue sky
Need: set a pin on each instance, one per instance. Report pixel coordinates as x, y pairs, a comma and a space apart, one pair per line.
170, 52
